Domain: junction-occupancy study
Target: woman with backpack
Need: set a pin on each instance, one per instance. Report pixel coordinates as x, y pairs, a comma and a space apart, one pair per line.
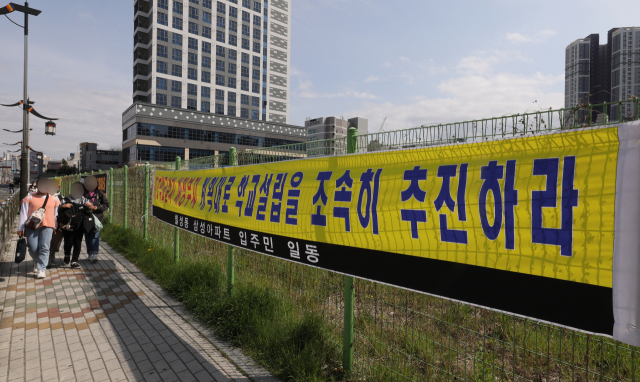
38, 213
98, 203
54, 190
71, 216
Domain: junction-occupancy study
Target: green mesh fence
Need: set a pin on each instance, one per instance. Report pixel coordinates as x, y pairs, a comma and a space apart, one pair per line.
402, 335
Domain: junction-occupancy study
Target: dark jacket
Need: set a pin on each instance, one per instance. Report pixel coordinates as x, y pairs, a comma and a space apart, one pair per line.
99, 200
72, 219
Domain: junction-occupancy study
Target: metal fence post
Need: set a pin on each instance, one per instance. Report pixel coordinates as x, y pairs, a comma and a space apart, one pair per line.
146, 201
347, 341
231, 250
176, 232
126, 196
111, 214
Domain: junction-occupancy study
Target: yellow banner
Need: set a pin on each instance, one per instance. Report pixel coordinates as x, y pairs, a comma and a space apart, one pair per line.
541, 205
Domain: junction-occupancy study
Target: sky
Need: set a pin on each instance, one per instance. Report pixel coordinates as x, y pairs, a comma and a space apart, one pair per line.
413, 62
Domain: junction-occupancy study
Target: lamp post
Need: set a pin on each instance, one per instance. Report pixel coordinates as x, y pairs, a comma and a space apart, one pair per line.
24, 160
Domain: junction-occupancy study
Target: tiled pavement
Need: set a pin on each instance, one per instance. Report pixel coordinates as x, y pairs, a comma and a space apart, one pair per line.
105, 322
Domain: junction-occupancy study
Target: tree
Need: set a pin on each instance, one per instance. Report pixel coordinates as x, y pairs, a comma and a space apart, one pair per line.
66, 170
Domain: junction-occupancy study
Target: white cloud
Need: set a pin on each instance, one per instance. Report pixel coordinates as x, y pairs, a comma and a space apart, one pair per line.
482, 62
371, 79
541, 36
472, 95
305, 90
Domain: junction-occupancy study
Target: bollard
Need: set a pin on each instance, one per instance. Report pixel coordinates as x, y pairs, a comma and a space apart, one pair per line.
231, 250
146, 201
126, 197
176, 232
347, 341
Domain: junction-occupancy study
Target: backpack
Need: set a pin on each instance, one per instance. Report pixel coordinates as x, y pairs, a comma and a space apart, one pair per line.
70, 219
35, 219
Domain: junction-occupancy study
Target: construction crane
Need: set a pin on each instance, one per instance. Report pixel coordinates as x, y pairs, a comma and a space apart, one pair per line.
382, 126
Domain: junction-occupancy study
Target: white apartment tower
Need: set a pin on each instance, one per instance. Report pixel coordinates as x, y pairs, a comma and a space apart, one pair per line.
229, 57
625, 68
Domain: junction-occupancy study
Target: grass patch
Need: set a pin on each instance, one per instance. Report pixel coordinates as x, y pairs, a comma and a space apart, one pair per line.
293, 347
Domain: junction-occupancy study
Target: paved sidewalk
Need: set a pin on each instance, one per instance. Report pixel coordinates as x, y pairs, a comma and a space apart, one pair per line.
105, 322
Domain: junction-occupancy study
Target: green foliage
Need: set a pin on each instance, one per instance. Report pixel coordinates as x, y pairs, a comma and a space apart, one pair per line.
292, 347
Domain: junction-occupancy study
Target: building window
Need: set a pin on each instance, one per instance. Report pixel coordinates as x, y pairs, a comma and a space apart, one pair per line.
256, 34
161, 99
161, 83
244, 112
192, 104
162, 51
177, 23
163, 19
245, 58
219, 95
233, 40
206, 17
176, 39
219, 79
246, 16
255, 87
245, 30
231, 97
176, 70
257, 6
220, 65
194, 2
233, 55
255, 101
205, 106
256, 74
221, 22
193, 13
193, 43
219, 51
244, 71
176, 54
231, 111
176, 86
255, 114
205, 92
206, 62
193, 28
159, 153
163, 35
192, 89
256, 61
206, 4
244, 85
233, 12
176, 101
244, 99
177, 7
219, 108
231, 82
312, 131
246, 4
192, 74
193, 58
221, 8
220, 36
161, 67
232, 68
256, 20
163, 4
206, 47
206, 77
206, 32
233, 26
256, 47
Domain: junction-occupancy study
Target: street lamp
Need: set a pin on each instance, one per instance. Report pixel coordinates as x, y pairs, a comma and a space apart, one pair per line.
24, 167
50, 128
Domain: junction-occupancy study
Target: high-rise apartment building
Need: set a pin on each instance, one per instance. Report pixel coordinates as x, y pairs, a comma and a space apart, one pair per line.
228, 57
610, 72
332, 127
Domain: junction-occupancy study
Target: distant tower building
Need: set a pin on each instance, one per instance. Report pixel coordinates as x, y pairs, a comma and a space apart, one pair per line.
228, 57
596, 73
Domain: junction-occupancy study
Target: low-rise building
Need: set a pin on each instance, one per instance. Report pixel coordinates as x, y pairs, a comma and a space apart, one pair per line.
92, 159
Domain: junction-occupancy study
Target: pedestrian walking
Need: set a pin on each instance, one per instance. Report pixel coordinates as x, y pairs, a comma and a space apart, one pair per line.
98, 203
38, 214
71, 217
54, 190
12, 187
